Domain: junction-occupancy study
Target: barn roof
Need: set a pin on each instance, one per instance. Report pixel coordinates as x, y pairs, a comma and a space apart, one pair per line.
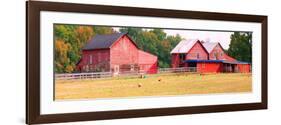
217, 61
184, 46
209, 46
103, 41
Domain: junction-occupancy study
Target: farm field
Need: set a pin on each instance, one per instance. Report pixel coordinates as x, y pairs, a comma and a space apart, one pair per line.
153, 85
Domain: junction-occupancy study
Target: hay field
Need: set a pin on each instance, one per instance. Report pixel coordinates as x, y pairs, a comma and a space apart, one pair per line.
153, 85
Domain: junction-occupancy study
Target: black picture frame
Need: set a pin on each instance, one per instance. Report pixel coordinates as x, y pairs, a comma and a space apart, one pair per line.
33, 9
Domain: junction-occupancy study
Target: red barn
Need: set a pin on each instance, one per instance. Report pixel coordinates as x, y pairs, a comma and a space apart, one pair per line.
205, 57
117, 53
188, 50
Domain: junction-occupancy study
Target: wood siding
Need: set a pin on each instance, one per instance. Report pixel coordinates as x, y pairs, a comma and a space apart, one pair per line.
94, 60
217, 53
244, 68
147, 62
123, 52
197, 52
209, 67
122, 56
175, 60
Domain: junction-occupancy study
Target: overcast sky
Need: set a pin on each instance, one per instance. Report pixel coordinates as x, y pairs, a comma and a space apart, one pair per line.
209, 36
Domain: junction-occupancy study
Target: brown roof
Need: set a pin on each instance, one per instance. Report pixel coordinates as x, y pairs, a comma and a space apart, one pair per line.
103, 41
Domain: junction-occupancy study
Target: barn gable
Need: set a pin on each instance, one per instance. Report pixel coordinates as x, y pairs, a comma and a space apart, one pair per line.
197, 51
215, 50
123, 51
209, 46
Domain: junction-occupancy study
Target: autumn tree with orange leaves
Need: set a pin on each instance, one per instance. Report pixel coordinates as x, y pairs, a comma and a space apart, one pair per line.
69, 41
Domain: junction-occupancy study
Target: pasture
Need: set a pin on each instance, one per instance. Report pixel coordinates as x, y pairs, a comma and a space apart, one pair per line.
153, 85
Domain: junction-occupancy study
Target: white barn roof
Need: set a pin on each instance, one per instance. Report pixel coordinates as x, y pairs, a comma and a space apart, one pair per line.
209, 46
184, 46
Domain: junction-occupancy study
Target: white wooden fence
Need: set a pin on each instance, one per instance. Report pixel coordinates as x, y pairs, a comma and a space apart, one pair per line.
181, 69
98, 75
92, 75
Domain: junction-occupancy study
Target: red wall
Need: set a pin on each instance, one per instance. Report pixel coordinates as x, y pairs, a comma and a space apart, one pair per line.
123, 52
100, 58
197, 48
217, 53
175, 60
244, 68
191, 55
147, 62
209, 67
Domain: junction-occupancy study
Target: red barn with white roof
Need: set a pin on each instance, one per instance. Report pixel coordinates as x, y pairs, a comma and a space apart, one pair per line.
117, 53
205, 57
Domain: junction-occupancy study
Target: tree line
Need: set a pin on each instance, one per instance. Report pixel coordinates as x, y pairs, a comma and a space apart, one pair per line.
70, 39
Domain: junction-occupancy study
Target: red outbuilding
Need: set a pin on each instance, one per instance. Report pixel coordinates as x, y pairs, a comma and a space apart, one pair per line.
117, 53
206, 57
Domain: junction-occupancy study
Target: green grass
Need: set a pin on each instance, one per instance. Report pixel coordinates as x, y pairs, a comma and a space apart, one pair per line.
154, 85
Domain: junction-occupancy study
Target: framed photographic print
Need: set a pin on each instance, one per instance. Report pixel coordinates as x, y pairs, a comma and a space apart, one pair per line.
93, 62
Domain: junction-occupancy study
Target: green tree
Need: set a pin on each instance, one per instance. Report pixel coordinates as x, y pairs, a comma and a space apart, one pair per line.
69, 41
241, 46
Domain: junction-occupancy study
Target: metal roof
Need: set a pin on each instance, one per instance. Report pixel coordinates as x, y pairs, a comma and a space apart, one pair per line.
102, 41
209, 46
184, 46
216, 61
210, 61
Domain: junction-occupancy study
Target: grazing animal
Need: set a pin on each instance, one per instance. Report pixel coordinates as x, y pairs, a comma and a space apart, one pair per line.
139, 85
159, 80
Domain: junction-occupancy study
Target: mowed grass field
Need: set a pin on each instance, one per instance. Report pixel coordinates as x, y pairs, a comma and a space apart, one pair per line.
153, 85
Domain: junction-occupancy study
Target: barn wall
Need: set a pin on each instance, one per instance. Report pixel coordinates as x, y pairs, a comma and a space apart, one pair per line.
209, 67
100, 60
217, 53
175, 60
123, 52
147, 62
244, 68
197, 49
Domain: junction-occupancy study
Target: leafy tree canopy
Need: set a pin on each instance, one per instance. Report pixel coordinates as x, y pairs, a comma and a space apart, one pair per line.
154, 41
69, 40
240, 46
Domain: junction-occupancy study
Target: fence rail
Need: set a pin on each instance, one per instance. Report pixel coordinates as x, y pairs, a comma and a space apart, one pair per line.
71, 76
182, 69
98, 75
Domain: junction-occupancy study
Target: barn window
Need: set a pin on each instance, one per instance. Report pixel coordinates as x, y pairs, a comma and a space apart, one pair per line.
91, 59
215, 55
182, 57
198, 56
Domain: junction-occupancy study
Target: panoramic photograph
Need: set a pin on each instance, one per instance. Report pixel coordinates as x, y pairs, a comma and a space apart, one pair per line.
99, 62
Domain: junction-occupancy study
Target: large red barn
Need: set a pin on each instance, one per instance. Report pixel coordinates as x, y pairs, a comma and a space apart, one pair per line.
117, 53
205, 57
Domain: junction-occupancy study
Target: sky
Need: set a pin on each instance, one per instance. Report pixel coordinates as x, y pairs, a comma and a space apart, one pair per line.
208, 36
222, 37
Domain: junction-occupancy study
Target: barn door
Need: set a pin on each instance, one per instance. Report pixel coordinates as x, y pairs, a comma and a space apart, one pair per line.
116, 69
